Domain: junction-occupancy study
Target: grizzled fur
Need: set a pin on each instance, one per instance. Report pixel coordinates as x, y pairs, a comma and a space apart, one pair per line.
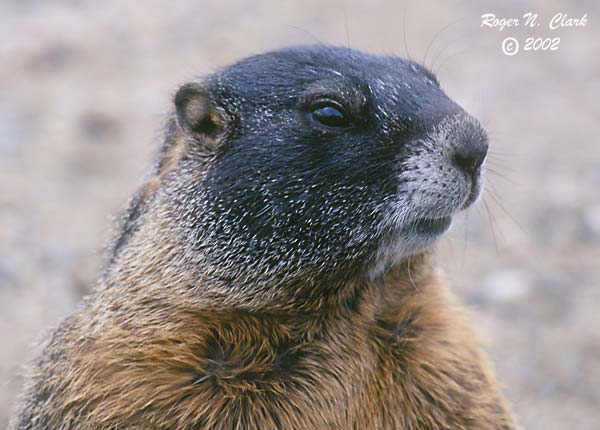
274, 273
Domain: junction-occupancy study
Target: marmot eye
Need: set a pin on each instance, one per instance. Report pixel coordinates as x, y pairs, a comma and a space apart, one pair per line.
329, 115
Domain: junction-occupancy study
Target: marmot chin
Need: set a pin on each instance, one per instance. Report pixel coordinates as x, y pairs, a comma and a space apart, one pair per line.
274, 272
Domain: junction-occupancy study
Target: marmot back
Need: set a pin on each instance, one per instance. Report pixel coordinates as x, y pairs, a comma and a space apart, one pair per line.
275, 270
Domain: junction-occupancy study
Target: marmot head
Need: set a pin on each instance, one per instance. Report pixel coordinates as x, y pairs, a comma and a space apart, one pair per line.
314, 163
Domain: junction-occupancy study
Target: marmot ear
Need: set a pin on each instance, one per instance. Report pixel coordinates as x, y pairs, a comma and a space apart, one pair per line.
197, 114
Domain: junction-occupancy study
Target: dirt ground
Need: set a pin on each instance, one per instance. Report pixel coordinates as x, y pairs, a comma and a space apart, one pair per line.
85, 85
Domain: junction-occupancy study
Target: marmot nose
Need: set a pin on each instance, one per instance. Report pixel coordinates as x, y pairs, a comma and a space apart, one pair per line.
470, 158
471, 151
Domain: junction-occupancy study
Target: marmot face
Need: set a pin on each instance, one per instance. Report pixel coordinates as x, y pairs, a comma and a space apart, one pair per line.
317, 160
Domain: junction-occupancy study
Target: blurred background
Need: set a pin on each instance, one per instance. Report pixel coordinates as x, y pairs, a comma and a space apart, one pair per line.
85, 86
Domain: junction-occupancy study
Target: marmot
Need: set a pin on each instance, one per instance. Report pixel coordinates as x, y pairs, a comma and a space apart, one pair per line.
275, 270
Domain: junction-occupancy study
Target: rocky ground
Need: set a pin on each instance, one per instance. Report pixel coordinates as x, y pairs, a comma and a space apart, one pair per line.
84, 86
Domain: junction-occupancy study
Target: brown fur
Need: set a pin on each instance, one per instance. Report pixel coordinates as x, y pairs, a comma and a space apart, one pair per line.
401, 358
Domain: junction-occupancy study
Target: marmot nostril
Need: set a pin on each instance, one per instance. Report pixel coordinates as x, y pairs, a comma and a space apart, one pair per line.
469, 157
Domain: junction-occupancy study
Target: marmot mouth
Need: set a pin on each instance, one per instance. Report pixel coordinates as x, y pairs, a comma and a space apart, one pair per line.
432, 227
